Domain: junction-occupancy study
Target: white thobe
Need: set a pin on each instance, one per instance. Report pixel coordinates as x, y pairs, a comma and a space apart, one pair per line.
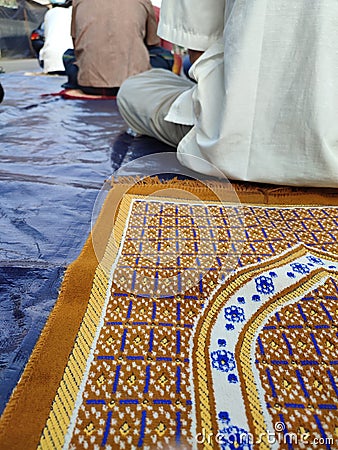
265, 107
57, 23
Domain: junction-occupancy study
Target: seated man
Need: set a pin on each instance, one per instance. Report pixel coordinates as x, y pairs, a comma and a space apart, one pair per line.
110, 42
57, 36
264, 107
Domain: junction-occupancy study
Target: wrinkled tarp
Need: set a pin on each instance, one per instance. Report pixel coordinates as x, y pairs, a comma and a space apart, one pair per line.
16, 26
55, 155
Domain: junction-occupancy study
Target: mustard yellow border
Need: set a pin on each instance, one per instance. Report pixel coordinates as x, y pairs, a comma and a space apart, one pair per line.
19, 427
57, 424
58, 421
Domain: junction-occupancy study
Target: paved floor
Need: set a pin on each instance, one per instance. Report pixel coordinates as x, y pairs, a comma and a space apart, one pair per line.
15, 65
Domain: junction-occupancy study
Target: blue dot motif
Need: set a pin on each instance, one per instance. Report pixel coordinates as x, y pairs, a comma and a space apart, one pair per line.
232, 378
224, 417
222, 342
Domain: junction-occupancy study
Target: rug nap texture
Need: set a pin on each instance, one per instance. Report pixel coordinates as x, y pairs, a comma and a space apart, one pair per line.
197, 316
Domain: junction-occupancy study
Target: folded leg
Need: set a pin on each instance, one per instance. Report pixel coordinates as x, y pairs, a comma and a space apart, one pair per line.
145, 99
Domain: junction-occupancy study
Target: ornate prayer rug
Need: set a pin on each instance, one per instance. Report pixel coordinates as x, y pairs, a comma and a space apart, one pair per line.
210, 321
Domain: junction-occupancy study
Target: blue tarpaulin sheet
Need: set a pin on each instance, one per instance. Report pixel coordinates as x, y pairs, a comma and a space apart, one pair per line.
55, 155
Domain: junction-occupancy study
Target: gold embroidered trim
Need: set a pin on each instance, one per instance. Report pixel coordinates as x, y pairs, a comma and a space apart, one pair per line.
205, 404
250, 391
57, 424
54, 433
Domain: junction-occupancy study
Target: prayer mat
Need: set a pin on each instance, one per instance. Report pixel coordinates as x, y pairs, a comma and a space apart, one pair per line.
210, 321
77, 94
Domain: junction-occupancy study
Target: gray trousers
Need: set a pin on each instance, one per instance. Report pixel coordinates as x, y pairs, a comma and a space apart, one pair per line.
145, 99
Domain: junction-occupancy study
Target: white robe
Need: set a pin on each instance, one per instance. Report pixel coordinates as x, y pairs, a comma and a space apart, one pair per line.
57, 38
265, 107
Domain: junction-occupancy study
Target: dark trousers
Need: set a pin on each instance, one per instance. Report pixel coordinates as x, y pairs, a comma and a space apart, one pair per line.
2, 93
159, 58
69, 61
71, 69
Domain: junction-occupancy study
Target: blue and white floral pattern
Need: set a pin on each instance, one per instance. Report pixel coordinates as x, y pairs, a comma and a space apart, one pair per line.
231, 320
315, 260
234, 314
224, 417
223, 360
234, 438
264, 285
300, 268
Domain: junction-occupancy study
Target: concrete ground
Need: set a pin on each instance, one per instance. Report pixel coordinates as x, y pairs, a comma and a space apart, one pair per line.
16, 65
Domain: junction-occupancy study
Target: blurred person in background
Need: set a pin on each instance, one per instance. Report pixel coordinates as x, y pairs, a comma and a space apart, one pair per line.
112, 40
58, 39
157, 9
2, 93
